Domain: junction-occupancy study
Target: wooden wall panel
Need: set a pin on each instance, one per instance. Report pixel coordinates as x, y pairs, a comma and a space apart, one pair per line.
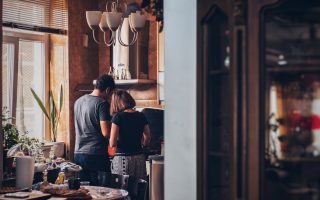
83, 61
152, 51
59, 76
139, 92
1, 133
87, 63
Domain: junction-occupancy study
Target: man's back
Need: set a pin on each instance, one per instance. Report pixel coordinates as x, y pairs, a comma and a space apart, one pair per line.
89, 110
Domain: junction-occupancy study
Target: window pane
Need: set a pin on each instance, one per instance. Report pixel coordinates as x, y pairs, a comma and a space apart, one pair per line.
30, 75
7, 75
5, 72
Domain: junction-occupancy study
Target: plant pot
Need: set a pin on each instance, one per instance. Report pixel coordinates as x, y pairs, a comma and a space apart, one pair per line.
51, 176
7, 162
58, 148
46, 149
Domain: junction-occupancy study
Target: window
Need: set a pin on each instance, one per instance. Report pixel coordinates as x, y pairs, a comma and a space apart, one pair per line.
25, 57
40, 15
24, 67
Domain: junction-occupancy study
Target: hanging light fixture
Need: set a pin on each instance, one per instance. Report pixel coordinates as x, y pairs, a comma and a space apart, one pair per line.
112, 19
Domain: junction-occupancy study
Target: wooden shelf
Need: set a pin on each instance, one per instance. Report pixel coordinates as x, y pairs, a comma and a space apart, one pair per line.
222, 71
293, 68
135, 82
218, 154
89, 87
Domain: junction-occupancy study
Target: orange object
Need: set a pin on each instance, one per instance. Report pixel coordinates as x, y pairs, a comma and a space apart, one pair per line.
112, 151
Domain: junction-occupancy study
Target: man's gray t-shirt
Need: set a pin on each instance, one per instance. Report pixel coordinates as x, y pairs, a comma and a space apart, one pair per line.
88, 112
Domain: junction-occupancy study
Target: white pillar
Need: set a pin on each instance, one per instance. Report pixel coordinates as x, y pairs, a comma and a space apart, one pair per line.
180, 22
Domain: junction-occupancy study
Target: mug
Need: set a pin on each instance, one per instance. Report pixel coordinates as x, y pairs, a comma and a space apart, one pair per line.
24, 172
74, 183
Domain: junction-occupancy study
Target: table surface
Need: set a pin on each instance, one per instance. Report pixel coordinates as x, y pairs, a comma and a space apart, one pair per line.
97, 193
110, 193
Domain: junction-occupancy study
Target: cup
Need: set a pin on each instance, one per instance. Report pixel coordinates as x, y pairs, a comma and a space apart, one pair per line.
74, 183
83, 184
103, 178
24, 172
103, 192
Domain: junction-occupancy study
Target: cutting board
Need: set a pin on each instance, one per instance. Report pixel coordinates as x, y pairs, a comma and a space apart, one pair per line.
32, 195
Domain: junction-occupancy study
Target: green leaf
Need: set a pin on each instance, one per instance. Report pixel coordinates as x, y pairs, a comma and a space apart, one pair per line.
53, 114
41, 105
60, 99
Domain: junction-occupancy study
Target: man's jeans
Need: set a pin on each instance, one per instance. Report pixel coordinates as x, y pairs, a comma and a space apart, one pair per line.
95, 168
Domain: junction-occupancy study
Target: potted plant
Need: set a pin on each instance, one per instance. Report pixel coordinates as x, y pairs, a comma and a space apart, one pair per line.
53, 115
11, 138
10, 131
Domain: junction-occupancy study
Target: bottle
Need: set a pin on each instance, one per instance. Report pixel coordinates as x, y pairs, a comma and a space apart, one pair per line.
128, 74
45, 182
60, 178
110, 71
123, 74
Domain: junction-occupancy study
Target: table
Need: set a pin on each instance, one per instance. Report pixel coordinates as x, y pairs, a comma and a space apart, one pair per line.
109, 193
97, 193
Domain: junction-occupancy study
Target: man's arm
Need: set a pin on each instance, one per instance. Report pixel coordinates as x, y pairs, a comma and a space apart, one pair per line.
104, 116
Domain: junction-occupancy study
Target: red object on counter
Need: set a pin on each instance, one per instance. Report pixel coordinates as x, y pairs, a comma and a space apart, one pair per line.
315, 122
112, 151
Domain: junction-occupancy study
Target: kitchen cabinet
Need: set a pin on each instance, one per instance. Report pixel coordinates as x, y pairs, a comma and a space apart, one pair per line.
259, 98
283, 75
216, 100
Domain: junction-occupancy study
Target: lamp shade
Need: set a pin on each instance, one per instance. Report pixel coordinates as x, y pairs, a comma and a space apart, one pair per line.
103, 22
113, 20
137, 20
93, 18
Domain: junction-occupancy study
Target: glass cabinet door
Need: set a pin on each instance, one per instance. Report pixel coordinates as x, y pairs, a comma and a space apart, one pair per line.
290, 86
218, 104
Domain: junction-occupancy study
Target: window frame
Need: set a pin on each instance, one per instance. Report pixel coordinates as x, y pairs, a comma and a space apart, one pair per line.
13, 37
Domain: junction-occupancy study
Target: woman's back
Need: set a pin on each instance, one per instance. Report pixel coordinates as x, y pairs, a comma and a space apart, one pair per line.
131, 127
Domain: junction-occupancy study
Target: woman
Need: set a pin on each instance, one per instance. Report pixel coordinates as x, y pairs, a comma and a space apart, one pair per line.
129, 133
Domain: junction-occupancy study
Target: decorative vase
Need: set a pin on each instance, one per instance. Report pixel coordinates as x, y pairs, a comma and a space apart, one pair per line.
58, 148
46, 149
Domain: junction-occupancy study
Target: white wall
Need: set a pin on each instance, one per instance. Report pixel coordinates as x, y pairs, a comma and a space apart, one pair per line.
180, 99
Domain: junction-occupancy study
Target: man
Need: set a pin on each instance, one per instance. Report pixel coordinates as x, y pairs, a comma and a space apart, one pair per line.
92, 117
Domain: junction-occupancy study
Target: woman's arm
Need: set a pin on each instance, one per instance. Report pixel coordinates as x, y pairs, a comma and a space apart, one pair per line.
105, 128
114, 135
146, 135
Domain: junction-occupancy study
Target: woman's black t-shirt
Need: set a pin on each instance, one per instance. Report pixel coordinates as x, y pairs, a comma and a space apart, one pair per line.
131, 126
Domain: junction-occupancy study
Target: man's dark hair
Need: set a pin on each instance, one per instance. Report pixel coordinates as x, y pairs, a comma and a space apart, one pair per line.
103, 82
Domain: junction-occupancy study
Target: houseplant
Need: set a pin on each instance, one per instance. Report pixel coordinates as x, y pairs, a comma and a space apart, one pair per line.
10, 131
10, 138
16, 141
53, 115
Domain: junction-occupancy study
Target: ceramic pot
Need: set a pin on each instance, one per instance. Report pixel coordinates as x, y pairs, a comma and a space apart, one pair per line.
46, 149
58, 148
